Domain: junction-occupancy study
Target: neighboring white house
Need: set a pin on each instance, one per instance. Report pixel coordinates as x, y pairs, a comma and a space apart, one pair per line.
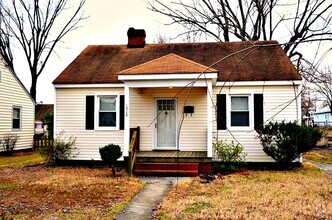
322, 117
109, 89
17, 108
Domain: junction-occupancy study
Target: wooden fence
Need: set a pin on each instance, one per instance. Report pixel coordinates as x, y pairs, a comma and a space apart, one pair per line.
42, 142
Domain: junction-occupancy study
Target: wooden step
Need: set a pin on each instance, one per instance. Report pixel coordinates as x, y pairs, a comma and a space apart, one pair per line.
166, 169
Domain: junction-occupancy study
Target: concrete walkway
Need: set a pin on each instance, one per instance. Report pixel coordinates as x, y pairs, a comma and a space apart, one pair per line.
326, 167
147, 200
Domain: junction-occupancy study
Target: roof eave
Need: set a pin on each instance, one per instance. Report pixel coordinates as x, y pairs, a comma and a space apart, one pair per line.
168, 76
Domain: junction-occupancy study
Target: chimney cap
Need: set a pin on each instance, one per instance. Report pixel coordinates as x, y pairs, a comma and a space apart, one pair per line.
132, 32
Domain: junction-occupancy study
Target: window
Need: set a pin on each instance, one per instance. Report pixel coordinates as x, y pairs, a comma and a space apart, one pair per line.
16, 118
39, 125
104, 112
240, 111
107, 111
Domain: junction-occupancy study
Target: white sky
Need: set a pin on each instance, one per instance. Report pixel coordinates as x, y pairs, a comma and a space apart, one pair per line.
108, 24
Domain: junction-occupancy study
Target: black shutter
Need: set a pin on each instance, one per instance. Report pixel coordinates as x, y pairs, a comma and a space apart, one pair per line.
122, 111
90, 113
221, 111
258, 110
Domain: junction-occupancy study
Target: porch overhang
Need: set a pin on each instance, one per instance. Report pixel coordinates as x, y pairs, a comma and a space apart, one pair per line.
138, 81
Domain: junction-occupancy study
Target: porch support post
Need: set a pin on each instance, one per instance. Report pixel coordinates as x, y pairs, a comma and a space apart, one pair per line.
127, 121
209, 117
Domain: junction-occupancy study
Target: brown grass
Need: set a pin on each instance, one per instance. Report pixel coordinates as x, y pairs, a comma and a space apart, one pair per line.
304, 193
63, 193
323, 156
21, 159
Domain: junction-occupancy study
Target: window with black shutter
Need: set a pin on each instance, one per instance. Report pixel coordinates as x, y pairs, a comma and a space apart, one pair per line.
104, 112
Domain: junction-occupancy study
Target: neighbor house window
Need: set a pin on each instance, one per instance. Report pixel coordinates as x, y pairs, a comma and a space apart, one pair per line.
39, 125
240, 111
17, 117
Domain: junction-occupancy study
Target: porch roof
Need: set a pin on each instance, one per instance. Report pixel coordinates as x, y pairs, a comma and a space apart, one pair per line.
168, 64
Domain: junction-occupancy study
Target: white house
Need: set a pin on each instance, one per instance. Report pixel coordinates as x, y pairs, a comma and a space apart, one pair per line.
17, 108
183, 96
322, 117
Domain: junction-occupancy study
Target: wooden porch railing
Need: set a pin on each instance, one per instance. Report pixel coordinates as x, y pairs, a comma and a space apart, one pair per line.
133, 148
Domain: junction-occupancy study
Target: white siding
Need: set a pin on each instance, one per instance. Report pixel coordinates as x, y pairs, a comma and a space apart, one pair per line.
279, 104
12, 94
70, 118
193, 136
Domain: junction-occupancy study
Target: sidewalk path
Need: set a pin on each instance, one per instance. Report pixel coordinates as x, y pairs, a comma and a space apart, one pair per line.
326, 167
143, 204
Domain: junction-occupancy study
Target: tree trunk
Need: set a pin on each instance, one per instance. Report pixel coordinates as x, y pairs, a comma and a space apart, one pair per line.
113, 170
33, 88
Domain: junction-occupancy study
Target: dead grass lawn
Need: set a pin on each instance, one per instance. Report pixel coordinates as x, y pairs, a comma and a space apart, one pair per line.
21, 159
322, 156
304, 193
63, 193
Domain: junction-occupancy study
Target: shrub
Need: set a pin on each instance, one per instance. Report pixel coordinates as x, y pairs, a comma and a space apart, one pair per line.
110, 154
59, 150
48, 120
229, 154
8, 143
286, 141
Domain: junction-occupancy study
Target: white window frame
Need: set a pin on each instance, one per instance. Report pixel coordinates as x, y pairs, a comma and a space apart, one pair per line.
117, 107
20, 118
251, 112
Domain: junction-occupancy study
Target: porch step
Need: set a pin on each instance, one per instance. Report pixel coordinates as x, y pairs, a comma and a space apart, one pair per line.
172, 157
166, 169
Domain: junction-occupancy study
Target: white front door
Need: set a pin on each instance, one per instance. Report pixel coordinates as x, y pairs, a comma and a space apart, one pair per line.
165, 124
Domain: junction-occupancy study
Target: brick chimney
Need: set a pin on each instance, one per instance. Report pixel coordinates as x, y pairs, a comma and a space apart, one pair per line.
136, 38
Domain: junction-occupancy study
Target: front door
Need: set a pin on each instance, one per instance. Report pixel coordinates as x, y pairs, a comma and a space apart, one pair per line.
165, 124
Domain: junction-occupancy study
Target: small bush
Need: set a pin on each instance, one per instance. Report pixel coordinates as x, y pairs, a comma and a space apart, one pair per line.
8, 143
110, 154
229, 154
48, 119
59, 150
286, 141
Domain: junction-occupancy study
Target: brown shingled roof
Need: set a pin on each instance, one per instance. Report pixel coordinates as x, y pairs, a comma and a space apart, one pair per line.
258, 61
41, 110
170, 63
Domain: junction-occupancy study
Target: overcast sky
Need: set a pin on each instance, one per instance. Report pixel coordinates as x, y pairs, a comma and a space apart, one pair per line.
108, 23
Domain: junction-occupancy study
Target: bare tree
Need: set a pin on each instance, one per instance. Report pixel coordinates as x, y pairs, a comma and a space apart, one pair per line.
323, 84
161, 39
308, 101
35, 28
294, 21
5, 45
